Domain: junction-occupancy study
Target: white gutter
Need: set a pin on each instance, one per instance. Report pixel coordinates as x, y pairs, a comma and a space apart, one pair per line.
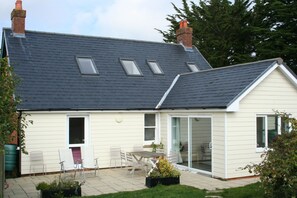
167, 92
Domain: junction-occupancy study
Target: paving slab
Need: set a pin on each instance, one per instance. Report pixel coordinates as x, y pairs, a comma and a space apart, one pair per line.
116, 180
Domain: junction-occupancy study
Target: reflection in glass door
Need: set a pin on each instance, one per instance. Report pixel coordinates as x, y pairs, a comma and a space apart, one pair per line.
191, 139
200, 143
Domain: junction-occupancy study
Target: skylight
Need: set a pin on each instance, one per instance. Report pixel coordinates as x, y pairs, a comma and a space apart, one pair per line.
193, 67
130, 67
86, 65
155, 67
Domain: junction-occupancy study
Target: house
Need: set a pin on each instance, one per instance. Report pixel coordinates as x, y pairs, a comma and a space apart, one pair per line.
83, 90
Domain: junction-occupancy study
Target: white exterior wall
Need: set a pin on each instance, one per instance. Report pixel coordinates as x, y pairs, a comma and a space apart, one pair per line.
49, 133
273, 93
218, 145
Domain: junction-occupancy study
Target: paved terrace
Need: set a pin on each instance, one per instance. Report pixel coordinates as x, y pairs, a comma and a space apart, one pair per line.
116, 180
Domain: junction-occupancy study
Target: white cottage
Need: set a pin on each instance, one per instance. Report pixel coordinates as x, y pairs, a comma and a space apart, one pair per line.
82, 90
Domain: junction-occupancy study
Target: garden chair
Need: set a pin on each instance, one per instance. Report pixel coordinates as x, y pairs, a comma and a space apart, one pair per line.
123, 158
115, 155
36, 162
67, 162
88, 159
132, 163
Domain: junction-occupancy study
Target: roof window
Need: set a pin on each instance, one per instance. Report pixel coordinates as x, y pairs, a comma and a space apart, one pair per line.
155, 67
193, 67
86, 65
130, 67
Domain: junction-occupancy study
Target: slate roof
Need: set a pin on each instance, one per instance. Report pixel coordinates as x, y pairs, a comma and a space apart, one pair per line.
51, 80
215, 88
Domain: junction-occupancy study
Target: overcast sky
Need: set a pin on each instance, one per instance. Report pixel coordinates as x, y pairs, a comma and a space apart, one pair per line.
129, 19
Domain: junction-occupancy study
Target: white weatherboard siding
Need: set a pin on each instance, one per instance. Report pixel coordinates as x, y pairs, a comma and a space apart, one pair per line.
218, 145
273, 93
49, 133
107, 131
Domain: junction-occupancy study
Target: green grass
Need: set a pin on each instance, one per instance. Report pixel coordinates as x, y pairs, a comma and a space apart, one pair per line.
251, 190
160, 191
181, 191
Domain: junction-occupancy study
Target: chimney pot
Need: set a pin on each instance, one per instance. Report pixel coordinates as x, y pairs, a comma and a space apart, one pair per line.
18, 5
183, 24
184, 34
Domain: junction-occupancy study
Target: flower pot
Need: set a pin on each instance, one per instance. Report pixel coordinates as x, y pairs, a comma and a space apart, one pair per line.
61, 193
153, 181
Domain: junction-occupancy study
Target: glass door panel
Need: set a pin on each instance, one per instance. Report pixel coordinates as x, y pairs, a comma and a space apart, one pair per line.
200, 132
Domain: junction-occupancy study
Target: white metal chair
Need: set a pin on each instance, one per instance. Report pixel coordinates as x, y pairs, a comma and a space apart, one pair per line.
36, 162
123, 158
205, 151
66, 161
133, 163
88, 159
115, 155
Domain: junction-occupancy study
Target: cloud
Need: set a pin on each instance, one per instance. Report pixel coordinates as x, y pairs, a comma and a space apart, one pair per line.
134, 19
130, 19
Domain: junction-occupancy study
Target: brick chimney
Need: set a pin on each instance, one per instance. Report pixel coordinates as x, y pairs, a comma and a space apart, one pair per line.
184, 34
18, 16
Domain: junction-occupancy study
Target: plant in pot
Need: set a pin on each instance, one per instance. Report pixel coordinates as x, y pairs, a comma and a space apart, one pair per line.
67, 187
164, 173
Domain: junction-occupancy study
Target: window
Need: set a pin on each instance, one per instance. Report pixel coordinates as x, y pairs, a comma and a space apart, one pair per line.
193, 67
155, 67
149, 127
76, 130
131, 68
86, 65
268, 127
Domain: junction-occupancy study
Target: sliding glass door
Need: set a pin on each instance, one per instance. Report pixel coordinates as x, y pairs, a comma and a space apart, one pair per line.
191, 140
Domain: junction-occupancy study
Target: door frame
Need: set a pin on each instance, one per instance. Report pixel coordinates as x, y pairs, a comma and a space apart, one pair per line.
169, 138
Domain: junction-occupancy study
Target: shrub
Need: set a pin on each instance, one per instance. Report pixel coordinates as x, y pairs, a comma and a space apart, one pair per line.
278, 170
164, 169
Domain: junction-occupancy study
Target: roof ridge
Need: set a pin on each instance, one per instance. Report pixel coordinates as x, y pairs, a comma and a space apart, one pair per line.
92, 36
278, 60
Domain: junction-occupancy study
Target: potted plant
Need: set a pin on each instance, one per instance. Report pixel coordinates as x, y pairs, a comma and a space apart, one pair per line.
60, 188
164, 173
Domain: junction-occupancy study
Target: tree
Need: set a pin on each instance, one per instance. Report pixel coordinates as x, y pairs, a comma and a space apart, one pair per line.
247, 30
278, 170
10, 119
221, 30
275, 30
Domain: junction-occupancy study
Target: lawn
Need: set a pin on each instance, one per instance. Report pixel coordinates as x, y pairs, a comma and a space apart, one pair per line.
176, 191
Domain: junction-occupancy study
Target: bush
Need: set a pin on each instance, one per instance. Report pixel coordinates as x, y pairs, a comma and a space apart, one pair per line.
164, 169
278, 170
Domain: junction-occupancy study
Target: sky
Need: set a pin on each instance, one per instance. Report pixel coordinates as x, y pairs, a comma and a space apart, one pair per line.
128, 19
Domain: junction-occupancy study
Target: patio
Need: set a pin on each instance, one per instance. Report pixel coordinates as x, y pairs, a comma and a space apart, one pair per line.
116, 180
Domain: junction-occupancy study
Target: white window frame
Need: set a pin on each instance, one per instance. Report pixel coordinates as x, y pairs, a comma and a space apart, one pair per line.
157, 132
86, 130
265, 116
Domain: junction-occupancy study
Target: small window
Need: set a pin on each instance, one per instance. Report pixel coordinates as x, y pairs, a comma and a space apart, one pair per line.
268, 128
131, 68
149, 127
193, 67
86, 65
155, 67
